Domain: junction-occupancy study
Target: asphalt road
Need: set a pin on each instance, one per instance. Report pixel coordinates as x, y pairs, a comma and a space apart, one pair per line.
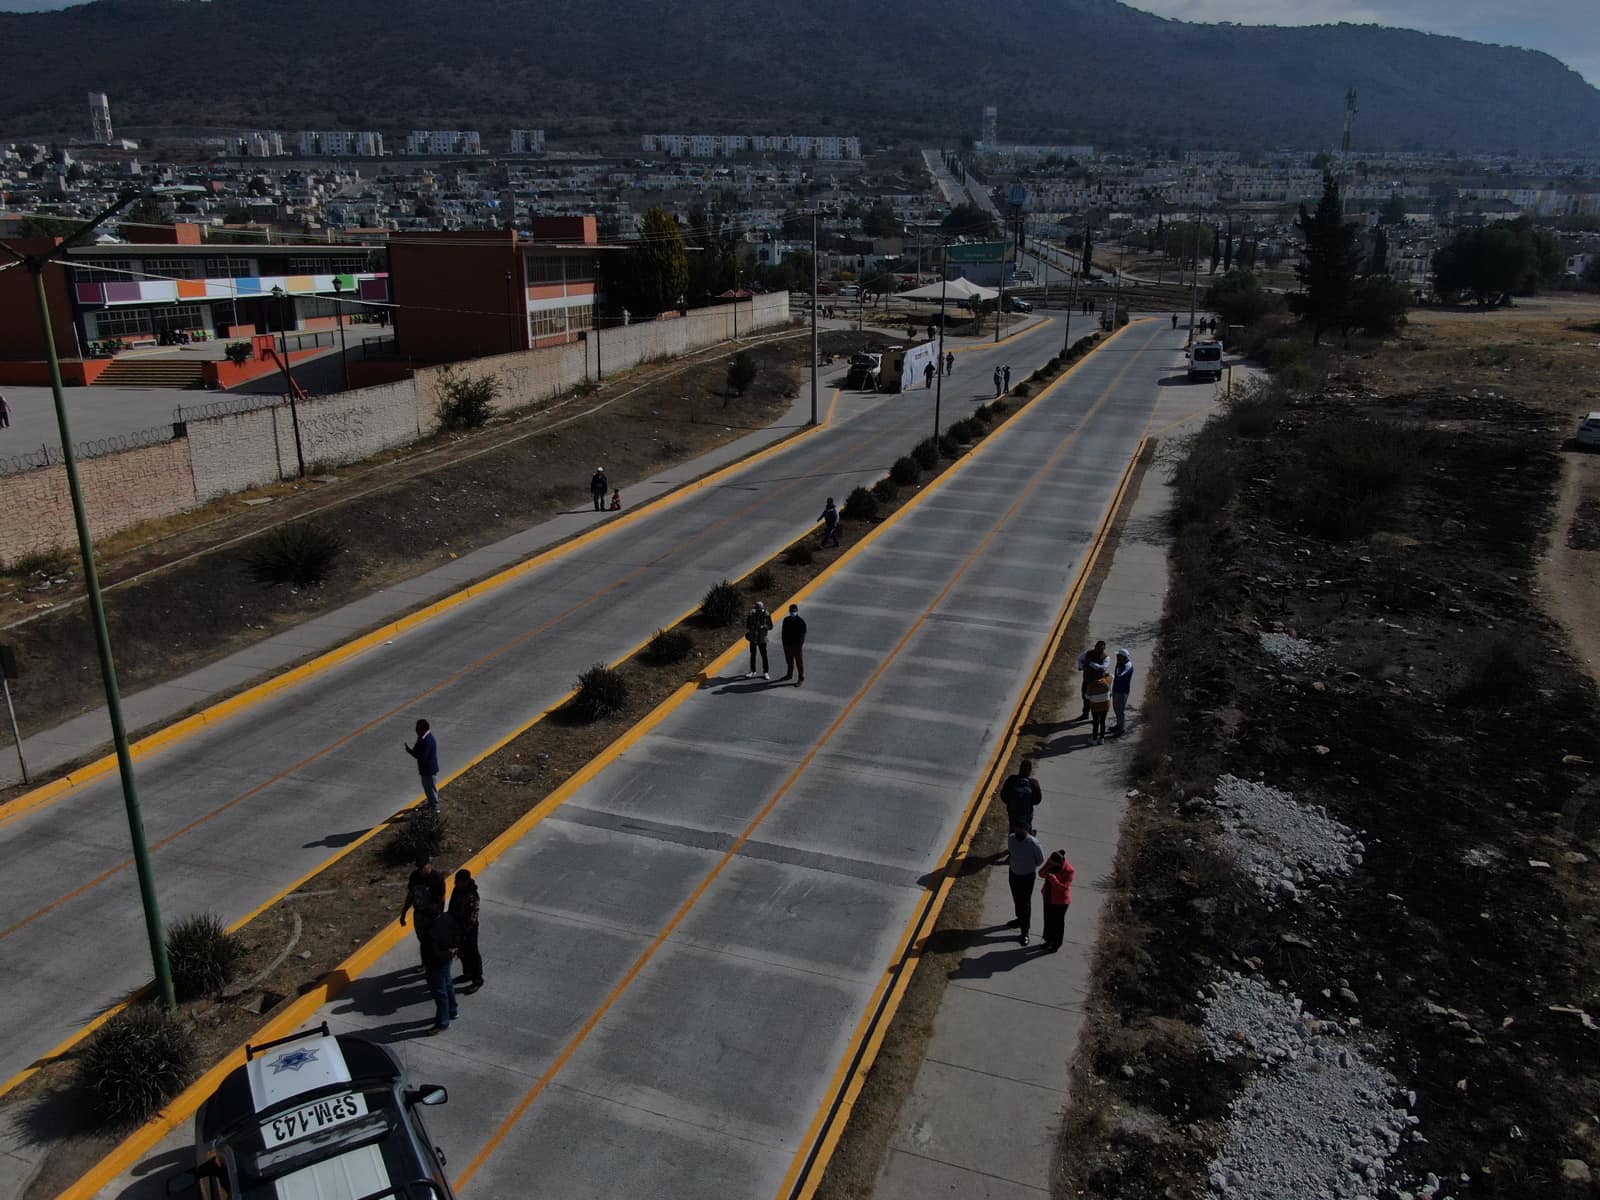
237, 812
680, 956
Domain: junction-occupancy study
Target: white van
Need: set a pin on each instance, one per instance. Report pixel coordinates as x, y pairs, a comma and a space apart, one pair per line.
1205, 361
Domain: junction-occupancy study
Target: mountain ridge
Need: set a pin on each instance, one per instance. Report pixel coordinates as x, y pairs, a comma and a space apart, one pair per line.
1059, 70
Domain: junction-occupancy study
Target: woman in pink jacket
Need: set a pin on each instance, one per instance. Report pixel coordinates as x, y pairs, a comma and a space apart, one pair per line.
1057, 874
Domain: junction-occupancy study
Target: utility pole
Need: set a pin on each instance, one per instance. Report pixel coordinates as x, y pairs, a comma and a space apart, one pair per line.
816, 353
154, 933
944, 287
1194, 295
1066, 329
294, 409
338, 309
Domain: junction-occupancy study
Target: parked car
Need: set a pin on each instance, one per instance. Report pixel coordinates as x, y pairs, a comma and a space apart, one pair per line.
1205, 361
849, 291
866, 371
1017, 304
1589, 432
316, 1114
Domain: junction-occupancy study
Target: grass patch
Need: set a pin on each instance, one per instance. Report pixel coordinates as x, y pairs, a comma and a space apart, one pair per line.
668, 646
721, 606
799, 555
298, 554
53, 562
203, 955
926, 454
905, 471
886, 490
602, 692
760, 580
135, 1063
860, 505
422, 834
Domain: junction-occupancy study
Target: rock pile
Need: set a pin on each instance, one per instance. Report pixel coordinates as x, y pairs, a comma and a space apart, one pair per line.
1281, 844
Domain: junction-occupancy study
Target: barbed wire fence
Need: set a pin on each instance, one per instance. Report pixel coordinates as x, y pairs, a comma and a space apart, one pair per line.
52, 456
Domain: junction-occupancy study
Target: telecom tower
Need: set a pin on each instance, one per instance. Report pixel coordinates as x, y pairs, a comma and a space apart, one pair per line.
100, 117
991, 124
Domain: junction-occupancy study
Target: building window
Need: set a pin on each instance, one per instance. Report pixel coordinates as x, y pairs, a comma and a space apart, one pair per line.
178, 316
548, 322
229, 268
560, 268
121, 322
174, 268
110, 270
325, 264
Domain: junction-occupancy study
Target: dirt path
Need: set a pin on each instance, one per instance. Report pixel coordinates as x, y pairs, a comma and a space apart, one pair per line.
1569, 574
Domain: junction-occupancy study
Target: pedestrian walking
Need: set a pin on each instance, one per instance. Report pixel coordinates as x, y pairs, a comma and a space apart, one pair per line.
1024, 857
1174, 320
1021, 794
927, 376
464, 910
5, 414
998, 380
793, 635
616, 500
424, 896
1093, 657
426, 752
830, 523
1058, 875
1097, 691
598, 487
950, 363
439, 946
757, 625
1005, 375
930, 331
1121, 689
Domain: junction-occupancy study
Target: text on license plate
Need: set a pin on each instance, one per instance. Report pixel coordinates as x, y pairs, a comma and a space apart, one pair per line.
309, 1118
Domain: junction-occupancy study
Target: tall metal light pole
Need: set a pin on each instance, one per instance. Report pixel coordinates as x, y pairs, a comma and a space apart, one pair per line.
594, 307
816, 353
279, 295
36, 264
944, 288
338, 309
1194, 295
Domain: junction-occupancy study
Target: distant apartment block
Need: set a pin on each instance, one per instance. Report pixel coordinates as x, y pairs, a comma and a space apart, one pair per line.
444, 141
261, 143
527, 141
100, 118
342, 143
724, 145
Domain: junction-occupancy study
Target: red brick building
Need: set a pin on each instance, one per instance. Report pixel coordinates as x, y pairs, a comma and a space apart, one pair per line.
469, 293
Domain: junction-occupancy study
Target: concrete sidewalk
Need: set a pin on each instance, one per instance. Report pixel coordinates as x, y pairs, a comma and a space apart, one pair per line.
985, 1114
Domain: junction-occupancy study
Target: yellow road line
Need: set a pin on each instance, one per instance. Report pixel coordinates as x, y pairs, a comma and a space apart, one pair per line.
250, 697
137, 1144
810, 1164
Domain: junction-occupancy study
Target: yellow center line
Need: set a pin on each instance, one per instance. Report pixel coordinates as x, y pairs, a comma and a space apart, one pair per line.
660, 939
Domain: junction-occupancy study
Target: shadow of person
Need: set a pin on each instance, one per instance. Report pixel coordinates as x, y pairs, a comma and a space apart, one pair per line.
384, 995
336, 841
986, 966
152, 1175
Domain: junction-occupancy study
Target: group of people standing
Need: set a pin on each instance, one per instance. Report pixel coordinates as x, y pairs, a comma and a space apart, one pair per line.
444, 934
1026, 861
1002, 380
792, 634
1106, 687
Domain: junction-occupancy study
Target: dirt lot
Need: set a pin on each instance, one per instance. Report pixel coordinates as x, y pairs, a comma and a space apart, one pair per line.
1356, 618
398, 516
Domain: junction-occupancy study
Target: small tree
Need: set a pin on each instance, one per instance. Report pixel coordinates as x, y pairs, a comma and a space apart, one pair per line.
1330, 260
1379, 305
239, 353
656, 270
466, 402
742, 372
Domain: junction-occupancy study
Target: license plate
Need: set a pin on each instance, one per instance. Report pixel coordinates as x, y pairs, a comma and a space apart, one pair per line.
310, 1118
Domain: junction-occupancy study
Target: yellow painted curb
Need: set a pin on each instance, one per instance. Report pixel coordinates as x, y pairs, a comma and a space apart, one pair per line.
131, 1149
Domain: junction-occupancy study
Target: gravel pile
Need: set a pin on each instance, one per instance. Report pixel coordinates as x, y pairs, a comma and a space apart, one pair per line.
1319, 1118
1282, 845
1290, 651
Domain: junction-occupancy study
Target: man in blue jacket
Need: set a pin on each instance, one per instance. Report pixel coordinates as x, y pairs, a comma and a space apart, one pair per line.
1121, 689
426, 752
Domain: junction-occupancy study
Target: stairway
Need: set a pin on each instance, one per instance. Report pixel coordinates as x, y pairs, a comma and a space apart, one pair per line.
128, 372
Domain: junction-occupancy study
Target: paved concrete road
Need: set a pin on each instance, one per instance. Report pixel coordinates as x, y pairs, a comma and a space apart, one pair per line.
680, 956
239, 811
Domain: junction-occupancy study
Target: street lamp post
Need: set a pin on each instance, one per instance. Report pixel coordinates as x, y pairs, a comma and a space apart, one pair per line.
280, 295
816, 353
35, 265
944, 287
338, 309
594, 307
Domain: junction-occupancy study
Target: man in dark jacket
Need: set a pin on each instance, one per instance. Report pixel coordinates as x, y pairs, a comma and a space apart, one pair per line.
1021, 795
464, 911
426, 752
424, 896
439, 947
598, 488
830, 523
793, 633
756, 627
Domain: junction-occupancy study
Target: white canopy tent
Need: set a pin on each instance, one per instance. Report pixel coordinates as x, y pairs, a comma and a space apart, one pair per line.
953, 291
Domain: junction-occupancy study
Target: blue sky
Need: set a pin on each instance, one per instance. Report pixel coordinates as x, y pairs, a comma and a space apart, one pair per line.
1568, 29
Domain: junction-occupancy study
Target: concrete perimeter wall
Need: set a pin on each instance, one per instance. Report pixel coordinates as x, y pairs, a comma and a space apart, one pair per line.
227, 454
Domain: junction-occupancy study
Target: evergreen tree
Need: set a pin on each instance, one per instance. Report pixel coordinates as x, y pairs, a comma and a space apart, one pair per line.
1328, 263
1088, 252
1379, 263
1216, 248
656, 273
1227, 254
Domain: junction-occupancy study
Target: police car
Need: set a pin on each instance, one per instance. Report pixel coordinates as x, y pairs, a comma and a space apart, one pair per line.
315, 1116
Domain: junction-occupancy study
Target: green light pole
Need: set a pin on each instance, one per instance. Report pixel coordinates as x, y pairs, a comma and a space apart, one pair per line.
36, 264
